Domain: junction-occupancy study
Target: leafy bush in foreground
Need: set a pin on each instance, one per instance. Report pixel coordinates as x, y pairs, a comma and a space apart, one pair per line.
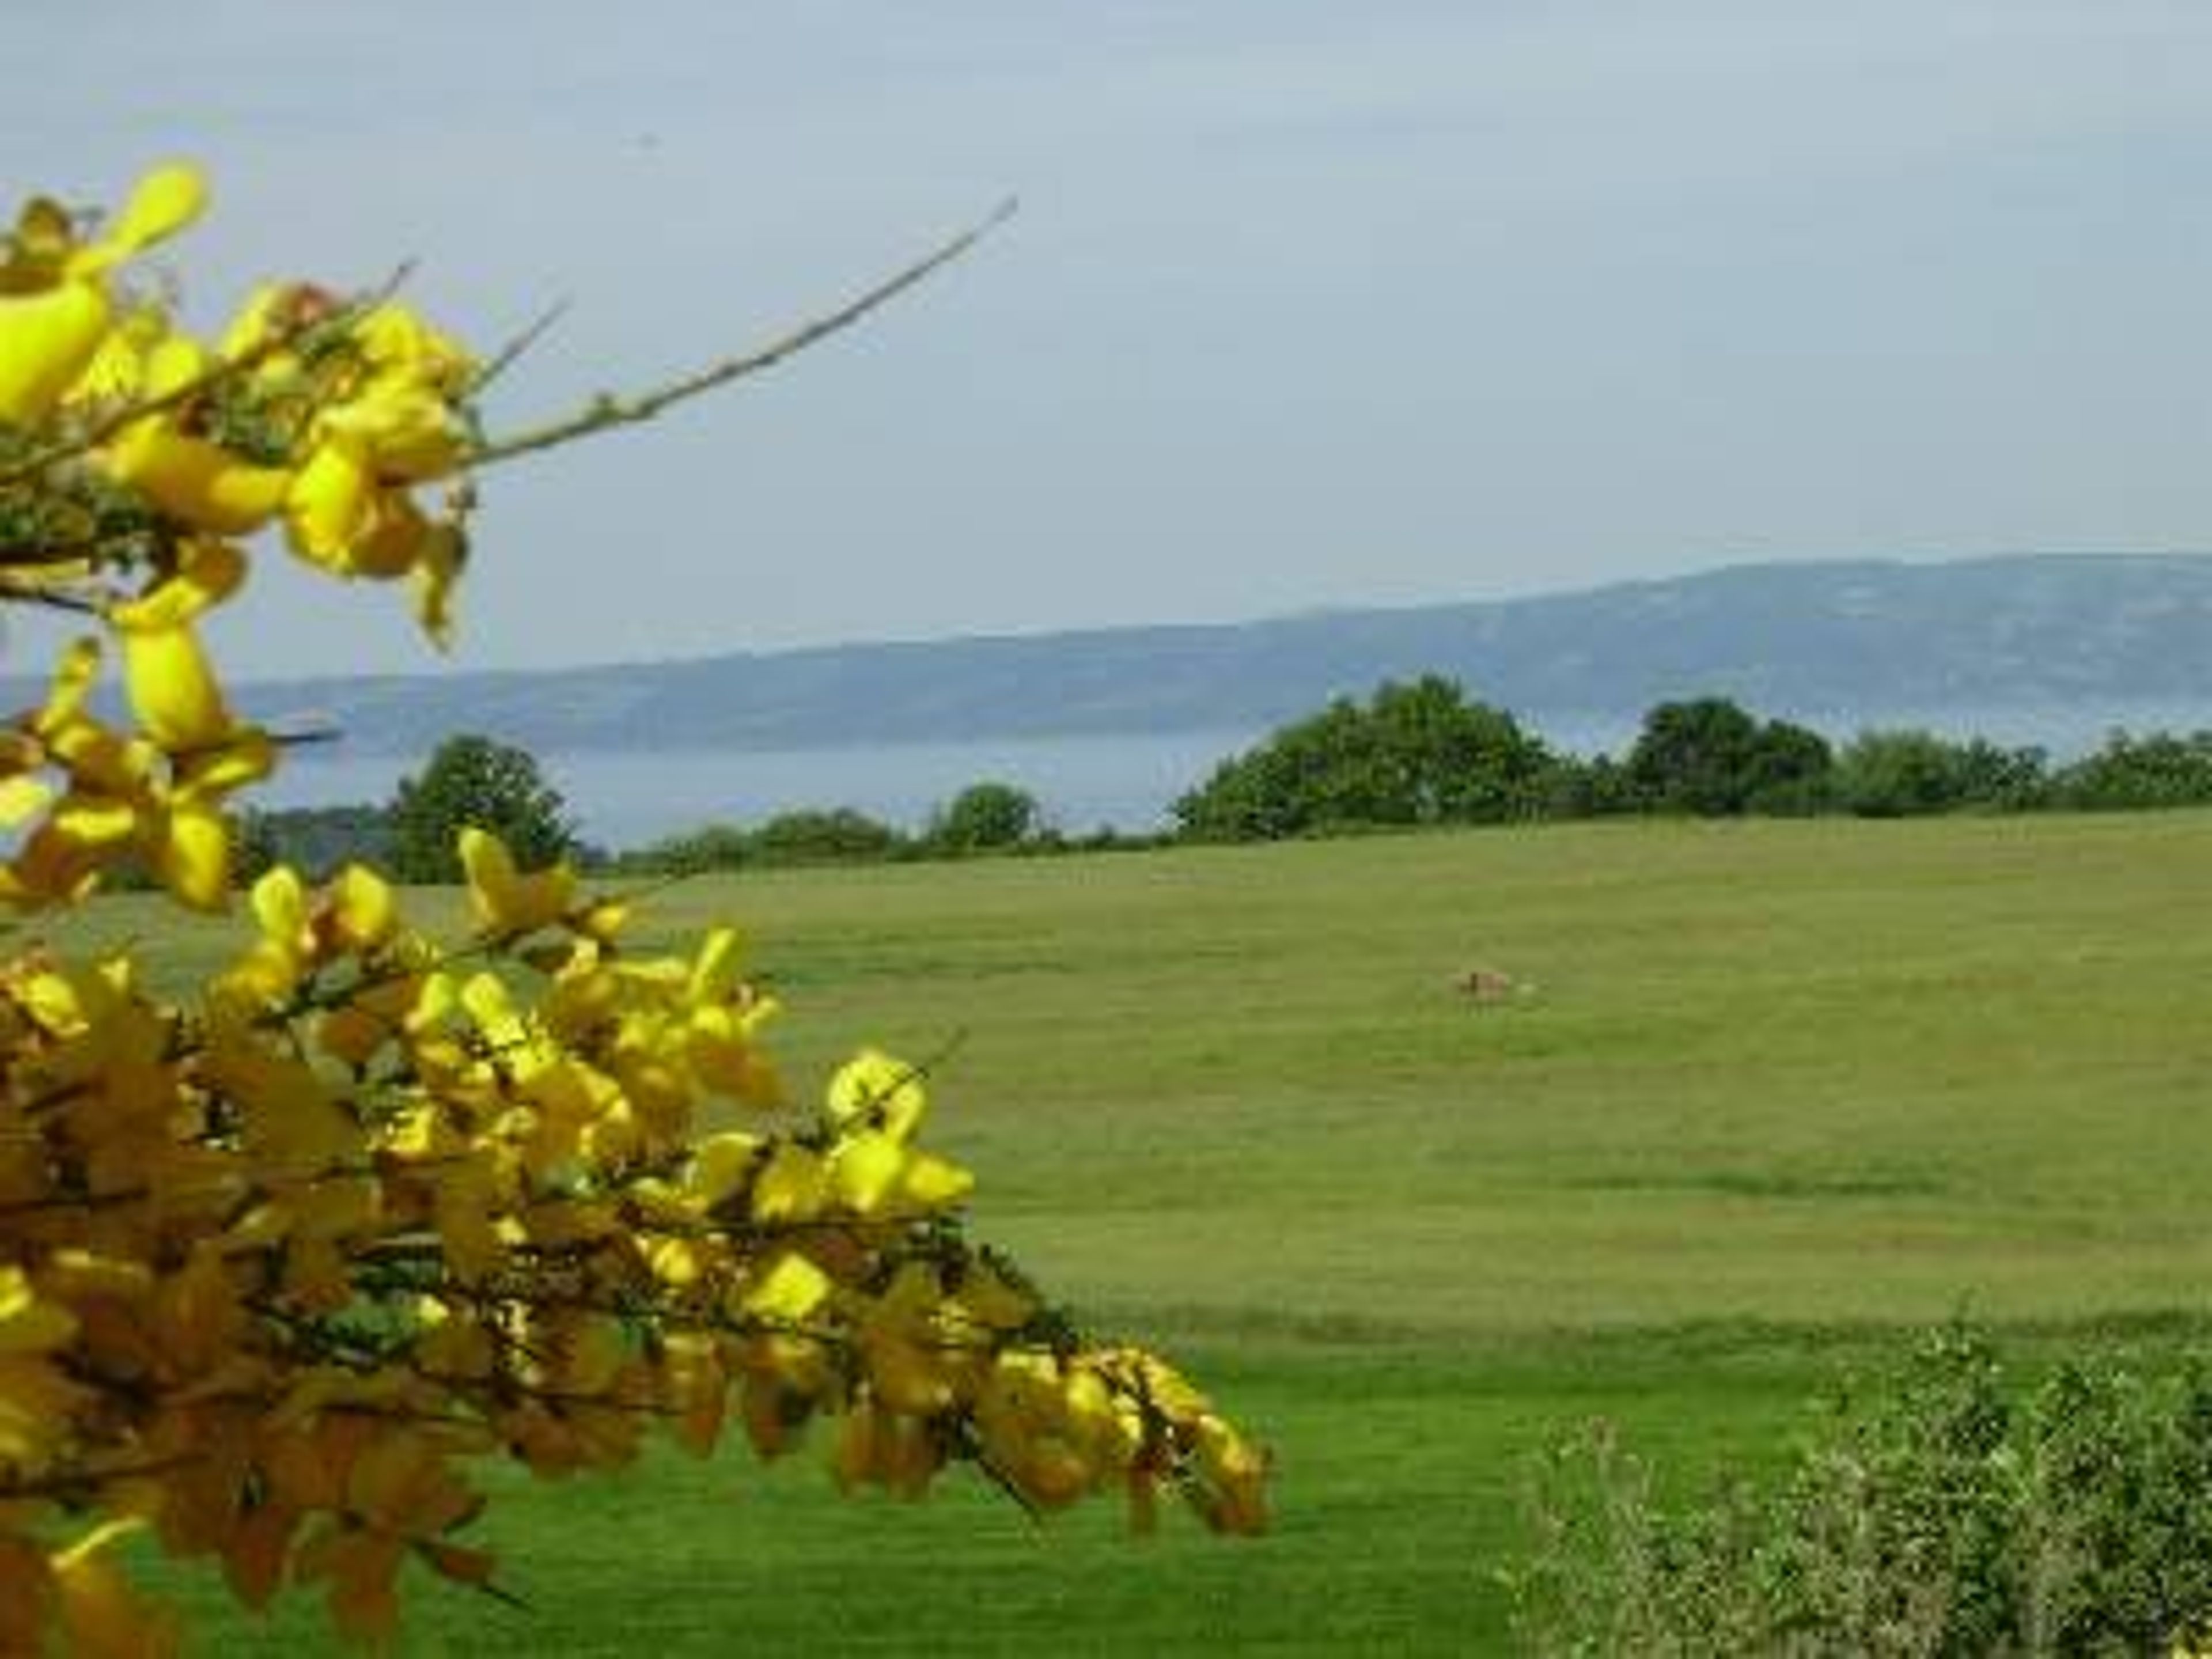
1945, 1511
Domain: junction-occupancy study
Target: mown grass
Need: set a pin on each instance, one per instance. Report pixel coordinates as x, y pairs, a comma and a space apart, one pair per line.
1770, 1092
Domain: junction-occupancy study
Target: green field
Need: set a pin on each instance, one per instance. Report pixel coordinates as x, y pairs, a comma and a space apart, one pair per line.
1768, 1091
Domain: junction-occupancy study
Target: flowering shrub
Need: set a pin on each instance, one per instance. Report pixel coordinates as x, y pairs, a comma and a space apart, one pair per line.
279, 1260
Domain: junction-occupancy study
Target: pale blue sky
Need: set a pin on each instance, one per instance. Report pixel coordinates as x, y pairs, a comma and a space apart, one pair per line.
1309, 305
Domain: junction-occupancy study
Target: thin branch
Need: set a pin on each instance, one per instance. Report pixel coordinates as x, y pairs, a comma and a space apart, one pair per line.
52, 599
305, 737
505, 357
609, 410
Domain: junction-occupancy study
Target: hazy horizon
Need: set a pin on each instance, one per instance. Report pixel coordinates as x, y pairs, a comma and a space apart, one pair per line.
1047, 631
1308, 307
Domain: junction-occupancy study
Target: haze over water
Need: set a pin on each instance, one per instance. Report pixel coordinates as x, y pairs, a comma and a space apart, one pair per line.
1127, 782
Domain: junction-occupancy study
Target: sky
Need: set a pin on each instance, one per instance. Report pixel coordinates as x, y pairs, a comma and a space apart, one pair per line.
1308, 304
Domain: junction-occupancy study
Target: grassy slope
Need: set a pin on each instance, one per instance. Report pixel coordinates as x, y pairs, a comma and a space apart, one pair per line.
1774, 1083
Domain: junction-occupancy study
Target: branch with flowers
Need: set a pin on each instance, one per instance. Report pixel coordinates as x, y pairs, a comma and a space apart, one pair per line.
282, 1259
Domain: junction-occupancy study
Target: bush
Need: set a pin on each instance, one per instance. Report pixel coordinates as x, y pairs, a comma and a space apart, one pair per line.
985, 817
814, 837
1945, 1511
319, 840
284, 1260
1909, 773
2131, 773
697, 852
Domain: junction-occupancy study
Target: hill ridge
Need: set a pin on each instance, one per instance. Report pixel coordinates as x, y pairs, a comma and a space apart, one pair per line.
2004, 631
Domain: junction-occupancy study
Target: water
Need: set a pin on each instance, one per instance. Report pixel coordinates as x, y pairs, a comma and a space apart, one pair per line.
625, 798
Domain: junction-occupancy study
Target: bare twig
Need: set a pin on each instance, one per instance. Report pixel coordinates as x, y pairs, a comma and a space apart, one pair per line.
609, 410
505, 357
17, 594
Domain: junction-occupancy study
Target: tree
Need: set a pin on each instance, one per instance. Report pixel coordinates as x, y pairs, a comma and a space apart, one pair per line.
1903, 773
2156, 770
1417, 753
1709, 757
317, 841
472, 780
985, 818
709, 848
282, 1260
822, 836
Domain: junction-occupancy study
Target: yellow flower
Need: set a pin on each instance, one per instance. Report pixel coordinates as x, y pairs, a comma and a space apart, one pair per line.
187, 476
400, 345
793, 1185
789, 1293
505, 900
54, 305
331, 506
364, 913
721, 1165
192, 853
163, 202
28, 1325
274, 962
872, 1087
166, 671
403, 429
347, 507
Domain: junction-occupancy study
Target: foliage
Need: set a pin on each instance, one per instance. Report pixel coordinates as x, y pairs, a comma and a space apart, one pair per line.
1906, 774
317, 841
473, 781
2130, 772
695, 853
1696, 1289
1709, 757
1410, 757
280, 1259
1944, 1511
817, 835
1417, 753
985, 817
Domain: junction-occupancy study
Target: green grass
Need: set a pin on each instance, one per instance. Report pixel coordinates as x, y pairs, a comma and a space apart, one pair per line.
1773, 1090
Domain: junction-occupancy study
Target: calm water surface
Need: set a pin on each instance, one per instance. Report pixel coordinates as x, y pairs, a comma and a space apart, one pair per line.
625, 798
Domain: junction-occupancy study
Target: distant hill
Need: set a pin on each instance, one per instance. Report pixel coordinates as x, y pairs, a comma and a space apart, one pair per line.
2050, 632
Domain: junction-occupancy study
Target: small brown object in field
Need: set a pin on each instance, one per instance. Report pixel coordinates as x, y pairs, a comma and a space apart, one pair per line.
1485, 985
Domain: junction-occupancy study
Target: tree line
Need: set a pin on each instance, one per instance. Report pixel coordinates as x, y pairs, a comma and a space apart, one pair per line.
1413, 753
476, 780
1423, 752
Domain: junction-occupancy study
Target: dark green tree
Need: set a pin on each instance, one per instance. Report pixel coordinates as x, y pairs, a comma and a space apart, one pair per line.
812, 836
1413, 754
694, 852
1709, 757
1893, 775
987, 817
473, 779
319, 840
1900, 774
1695, 756
2156, 770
